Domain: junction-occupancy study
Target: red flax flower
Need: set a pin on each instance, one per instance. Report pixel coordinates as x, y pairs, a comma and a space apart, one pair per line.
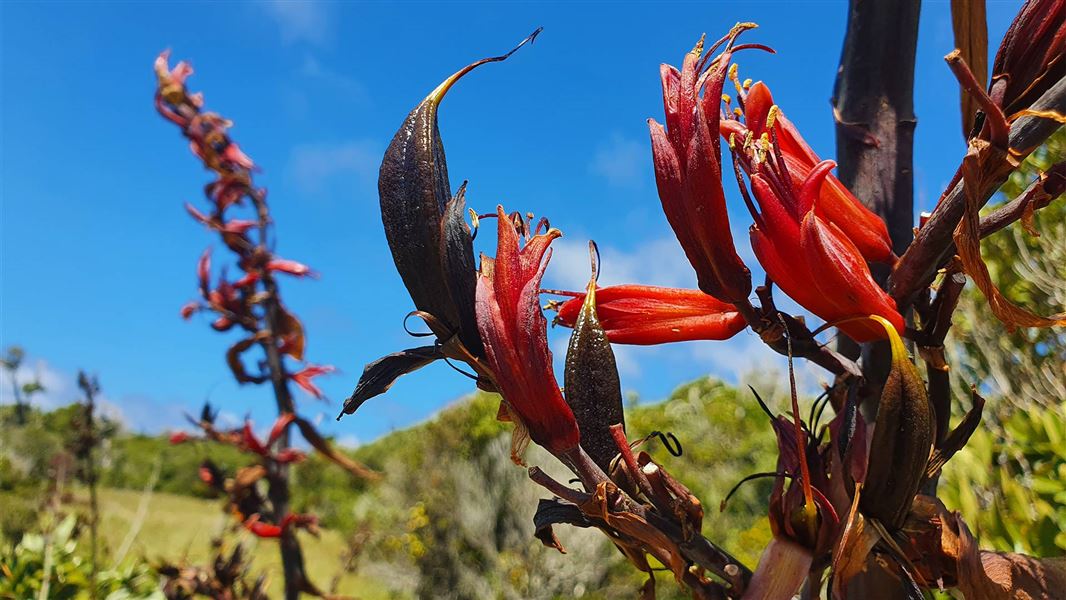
835, 203
688, 171
645, 315
515, 334
810, 259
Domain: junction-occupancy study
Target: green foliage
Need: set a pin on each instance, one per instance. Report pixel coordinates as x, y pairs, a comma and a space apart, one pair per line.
453, 513
131, 460
1009, 482
55, 555
725, 436
1013, 493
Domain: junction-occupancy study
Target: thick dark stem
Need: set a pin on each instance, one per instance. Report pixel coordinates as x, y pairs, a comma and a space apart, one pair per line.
873, 104
291, 555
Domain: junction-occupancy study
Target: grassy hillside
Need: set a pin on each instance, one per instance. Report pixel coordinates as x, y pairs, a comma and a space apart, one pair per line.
176, 527
452, 516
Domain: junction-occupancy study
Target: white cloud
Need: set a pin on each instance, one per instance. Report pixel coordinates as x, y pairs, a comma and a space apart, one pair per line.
60, 389
312, 165
349, 88
655, 262
301, 20
349, 442
621, 161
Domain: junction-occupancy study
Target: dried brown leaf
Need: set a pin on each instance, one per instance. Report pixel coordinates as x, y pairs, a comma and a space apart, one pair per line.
967, 235
308, 431
634, 526
971, 38
1007, 576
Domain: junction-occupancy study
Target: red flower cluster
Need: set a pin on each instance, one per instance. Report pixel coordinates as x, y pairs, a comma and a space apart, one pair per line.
811, 235
835, 204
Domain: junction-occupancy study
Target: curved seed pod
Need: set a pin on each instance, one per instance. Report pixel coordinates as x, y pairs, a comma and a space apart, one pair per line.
902, 439
460, 272
414, 189
591, 379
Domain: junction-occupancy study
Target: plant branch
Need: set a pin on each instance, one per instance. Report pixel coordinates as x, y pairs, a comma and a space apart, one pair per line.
1042, 192
933, 245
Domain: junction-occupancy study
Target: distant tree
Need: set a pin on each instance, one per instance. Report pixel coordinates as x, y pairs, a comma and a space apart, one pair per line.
24, 392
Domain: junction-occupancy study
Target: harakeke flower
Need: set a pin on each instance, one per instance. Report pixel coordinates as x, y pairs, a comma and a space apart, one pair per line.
810, 259
645, 315
688, 170
514, 331
835, 203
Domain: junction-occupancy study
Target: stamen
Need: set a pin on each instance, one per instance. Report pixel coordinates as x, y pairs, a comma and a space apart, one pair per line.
733, 68
475, 223
771, 116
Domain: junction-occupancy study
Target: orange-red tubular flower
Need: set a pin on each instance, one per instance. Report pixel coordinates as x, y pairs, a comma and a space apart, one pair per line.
835, 203
813, 260
688, 172
516, 339
645, 315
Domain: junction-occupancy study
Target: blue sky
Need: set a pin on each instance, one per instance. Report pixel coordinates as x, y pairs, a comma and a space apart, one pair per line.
97, 253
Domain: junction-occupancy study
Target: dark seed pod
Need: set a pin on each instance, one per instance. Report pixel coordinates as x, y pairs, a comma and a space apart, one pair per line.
457, 251
591, 383
902, 441
414, 190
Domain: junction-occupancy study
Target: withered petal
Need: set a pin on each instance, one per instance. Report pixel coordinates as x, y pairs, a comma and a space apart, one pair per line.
379, 375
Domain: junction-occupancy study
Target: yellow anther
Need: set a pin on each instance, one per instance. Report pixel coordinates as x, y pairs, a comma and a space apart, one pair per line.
726, 98
698, 49
747, 83
771, 116
735, 79
739, 113
732, 141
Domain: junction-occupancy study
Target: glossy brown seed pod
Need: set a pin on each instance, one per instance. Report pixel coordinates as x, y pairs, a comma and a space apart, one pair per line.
902, 440
591, 382
414, 191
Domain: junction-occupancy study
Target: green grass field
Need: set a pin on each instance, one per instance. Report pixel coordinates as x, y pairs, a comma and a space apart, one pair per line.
176, 527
